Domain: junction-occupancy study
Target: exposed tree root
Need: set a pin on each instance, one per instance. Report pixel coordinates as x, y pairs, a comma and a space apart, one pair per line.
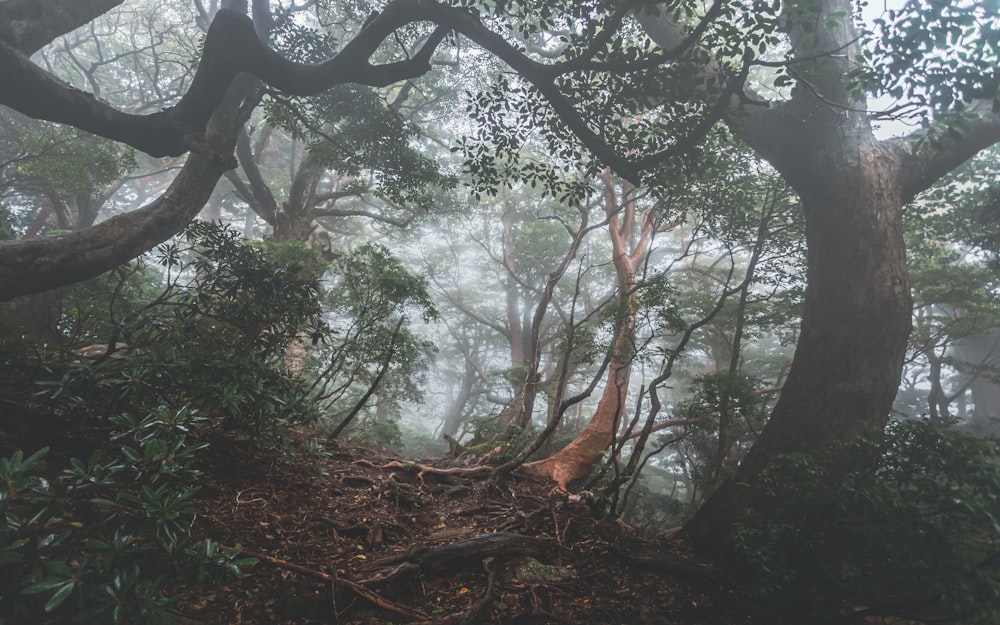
340, 582
459, 555
423, 469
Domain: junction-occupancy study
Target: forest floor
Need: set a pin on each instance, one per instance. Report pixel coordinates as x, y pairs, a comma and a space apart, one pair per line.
360, 537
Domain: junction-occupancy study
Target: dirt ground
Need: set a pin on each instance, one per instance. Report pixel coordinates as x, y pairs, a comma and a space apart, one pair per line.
363, 538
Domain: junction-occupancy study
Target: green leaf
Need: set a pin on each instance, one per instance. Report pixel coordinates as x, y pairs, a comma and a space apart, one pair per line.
59, 597
46, 584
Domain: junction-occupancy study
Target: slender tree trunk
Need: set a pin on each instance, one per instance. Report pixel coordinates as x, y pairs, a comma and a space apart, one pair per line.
981, 354
455, 415
521, 369
575, 462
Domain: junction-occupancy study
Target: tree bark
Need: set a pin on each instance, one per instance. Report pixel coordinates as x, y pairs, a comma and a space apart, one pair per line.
28, 25
855, 323
35, 265
857, 309
576, 461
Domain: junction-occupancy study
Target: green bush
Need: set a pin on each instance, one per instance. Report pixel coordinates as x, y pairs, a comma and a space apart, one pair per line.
107, 540
905, 525
214, 336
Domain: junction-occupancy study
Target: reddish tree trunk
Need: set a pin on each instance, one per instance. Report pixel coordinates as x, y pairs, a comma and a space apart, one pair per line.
575, 462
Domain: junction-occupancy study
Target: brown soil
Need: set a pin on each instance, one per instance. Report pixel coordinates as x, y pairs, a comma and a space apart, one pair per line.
362, 538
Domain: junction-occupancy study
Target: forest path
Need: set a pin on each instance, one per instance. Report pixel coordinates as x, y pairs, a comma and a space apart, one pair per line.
402, 545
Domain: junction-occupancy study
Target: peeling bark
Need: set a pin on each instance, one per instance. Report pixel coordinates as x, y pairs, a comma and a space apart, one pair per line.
576, 461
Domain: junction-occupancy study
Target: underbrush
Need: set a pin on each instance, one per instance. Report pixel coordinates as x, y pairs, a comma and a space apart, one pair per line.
100, 532
903, 525
105, 540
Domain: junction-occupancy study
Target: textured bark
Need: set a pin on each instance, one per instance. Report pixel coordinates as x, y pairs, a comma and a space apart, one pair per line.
28, 25
572, 464
855, 324
857, 309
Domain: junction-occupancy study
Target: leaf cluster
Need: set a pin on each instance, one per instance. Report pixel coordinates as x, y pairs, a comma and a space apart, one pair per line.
937, 55
352, 129
905, 524
66, 160
106, 540
719, 400
213, 336
369, 305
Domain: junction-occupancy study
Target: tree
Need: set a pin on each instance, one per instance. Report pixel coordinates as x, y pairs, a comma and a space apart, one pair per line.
853, 187
602, 95
631, 232
232, 46
954, 343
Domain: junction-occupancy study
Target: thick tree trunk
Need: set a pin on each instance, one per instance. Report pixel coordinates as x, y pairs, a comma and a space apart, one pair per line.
572, 464
855, 323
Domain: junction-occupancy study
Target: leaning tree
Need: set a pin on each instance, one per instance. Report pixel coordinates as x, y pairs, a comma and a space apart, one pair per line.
853, 187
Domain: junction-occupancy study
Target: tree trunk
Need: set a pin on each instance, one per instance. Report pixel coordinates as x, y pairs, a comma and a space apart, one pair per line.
575, 462
37, 265
981, 355
572, 464
455, 415
522, 370
855, 323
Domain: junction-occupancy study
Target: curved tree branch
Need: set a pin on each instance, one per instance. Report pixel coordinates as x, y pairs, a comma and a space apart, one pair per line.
27, 25
925, 161
231, 47
56, 261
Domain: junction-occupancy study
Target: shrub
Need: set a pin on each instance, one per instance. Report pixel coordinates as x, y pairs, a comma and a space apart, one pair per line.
905, 525
107, 540
213, 336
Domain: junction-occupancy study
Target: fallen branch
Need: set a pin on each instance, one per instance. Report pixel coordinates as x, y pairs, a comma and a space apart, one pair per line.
340, 582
